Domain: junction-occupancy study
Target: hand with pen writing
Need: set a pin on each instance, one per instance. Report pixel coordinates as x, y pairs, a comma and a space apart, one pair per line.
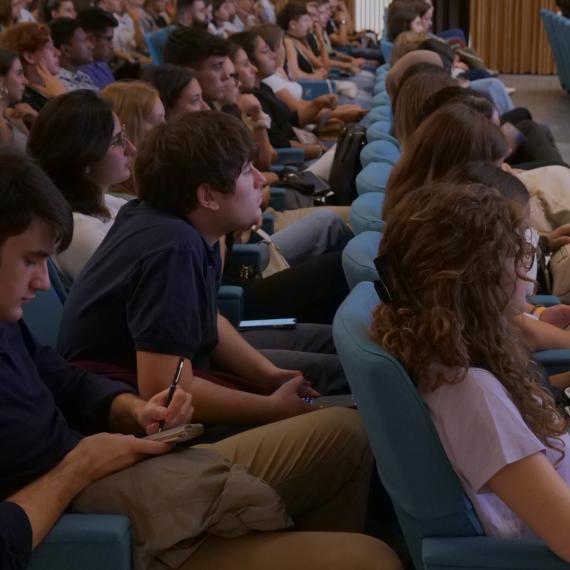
157, 410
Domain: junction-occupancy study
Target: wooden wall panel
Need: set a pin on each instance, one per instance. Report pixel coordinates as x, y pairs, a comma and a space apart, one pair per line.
509, 35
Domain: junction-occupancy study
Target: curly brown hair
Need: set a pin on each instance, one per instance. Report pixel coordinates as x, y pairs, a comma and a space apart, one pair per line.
27, 37
450, 295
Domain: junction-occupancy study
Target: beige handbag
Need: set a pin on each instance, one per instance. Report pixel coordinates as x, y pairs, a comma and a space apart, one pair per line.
276, 260
549, 188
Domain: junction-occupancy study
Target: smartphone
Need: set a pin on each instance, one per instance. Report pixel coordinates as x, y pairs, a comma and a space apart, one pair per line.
177, 434
268, 324
343, 400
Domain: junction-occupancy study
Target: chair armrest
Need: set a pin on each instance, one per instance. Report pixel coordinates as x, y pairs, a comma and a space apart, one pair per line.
230, 303
313, 88
249, 254
482, 553
555, 361
268, 223
278, 198
290, 156
545, 300
89, 542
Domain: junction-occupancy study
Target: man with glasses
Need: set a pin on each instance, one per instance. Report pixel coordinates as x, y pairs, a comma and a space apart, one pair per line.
99, 27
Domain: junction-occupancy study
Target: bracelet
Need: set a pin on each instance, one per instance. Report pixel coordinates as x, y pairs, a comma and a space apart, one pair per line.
537, 311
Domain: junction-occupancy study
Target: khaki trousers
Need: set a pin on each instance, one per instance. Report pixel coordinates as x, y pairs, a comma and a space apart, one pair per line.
319, 464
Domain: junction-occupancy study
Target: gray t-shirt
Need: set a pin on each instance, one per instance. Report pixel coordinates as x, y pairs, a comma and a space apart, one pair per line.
482, 431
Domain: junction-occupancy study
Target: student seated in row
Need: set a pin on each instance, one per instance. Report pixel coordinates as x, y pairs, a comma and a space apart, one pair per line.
161, 303
450, 325
57, 455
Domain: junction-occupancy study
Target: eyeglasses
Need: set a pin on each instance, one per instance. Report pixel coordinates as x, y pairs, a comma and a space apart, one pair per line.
120, 140
528, 257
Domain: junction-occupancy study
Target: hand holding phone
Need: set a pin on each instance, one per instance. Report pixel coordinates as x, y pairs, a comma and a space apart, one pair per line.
177, 434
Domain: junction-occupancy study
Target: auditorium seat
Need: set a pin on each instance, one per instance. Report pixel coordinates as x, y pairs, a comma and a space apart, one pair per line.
441, 528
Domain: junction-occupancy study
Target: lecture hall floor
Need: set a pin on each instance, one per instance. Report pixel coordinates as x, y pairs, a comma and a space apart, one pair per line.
548, 103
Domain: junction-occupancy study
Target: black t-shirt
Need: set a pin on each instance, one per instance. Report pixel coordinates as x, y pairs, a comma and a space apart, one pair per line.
34, 99
282, 119
313, 42
151, 286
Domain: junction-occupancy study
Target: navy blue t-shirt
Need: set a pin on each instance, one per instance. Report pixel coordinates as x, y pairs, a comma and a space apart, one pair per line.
47, 407
150, 286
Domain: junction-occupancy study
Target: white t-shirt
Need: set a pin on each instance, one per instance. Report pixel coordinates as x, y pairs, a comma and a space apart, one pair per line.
277, 83
124, 36
88, 233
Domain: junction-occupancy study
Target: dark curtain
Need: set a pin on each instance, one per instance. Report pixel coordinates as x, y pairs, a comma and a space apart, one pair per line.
452, 14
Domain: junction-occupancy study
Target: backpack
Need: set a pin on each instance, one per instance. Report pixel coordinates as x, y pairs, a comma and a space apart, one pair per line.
347, 164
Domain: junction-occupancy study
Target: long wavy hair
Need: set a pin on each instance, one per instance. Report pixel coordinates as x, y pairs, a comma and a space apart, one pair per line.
449, 247
450, 137
412, 93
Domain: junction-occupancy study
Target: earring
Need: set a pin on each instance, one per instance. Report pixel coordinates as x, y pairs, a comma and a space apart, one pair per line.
3, 92
87, 170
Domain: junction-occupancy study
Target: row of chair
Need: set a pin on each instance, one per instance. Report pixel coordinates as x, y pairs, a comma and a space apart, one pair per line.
440, 526
558, 31
378, 158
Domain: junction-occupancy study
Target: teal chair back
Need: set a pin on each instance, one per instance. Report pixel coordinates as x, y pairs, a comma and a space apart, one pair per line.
155, 42
358, 258
43, 315
387, 48
385, 149
558, 31
427, 495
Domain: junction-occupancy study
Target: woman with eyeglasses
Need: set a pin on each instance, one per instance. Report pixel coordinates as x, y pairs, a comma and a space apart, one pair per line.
80, 143
139, 109
449, 322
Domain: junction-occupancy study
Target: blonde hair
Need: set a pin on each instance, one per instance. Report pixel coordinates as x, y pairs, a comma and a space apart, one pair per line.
407, 42
133, 102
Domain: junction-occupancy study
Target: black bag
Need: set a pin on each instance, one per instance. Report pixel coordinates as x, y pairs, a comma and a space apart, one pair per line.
347, 164
305, 182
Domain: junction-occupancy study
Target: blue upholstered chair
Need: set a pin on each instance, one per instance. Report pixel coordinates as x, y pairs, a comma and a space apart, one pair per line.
88, 542
380, 113
373, 177
383, 69
558, 31
440, 526
381, 98
387, 48
378, 129
379, 87
288, 157
358, 258
386, 149
365, 213
155, 42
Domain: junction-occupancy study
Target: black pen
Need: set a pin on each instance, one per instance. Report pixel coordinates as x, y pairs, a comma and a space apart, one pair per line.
172, 388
